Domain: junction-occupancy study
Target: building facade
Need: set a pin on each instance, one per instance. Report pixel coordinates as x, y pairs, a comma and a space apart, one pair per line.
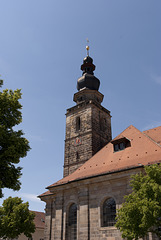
39, 221
97, 170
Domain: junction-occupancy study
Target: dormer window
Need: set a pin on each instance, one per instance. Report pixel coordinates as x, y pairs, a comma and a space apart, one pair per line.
120, 143
119, 146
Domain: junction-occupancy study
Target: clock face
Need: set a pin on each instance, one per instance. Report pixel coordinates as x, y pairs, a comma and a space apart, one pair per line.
77, 141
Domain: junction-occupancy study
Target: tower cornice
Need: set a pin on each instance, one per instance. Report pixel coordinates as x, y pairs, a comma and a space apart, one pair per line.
88, 94
86, 104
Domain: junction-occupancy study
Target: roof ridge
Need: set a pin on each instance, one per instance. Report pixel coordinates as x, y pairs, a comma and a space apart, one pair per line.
152, 129
151, 139
36, 211
123, 131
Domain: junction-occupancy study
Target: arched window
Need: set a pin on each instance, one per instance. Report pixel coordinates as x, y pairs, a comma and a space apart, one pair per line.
109, 212
77, 123
72, 223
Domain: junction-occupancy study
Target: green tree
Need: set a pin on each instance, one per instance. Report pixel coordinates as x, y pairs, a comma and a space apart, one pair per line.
141, 211
13, 145
15, 218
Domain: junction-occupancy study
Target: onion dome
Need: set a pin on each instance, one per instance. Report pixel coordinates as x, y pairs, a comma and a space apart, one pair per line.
88, 80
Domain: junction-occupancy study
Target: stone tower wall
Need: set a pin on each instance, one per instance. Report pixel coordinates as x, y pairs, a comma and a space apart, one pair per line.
101, 126
78, 143
94, 133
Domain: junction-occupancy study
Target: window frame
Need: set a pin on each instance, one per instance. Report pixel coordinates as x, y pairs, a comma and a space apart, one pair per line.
118, 147
104, 218
70, 224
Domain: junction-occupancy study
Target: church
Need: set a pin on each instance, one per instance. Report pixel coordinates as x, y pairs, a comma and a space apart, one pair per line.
97, 169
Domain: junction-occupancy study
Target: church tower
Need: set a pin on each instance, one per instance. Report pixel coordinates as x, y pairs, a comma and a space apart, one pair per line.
88, 123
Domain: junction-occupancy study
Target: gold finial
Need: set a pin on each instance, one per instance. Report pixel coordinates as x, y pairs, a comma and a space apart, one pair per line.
87, 47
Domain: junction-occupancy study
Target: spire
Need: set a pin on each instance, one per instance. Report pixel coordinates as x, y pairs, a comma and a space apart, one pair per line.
87, 47
88, 80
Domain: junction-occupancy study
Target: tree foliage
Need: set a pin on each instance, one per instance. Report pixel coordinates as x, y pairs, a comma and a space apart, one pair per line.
13, 145
141, 211
15, 218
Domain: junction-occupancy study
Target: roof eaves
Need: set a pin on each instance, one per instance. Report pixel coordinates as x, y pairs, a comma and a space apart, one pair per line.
45, 195
98, 175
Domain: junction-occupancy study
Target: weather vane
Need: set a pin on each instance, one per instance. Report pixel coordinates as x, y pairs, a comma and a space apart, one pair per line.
87, 47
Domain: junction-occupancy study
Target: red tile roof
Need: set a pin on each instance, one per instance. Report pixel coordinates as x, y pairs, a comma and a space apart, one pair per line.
46, 194
154, 133
144, 150
39, 219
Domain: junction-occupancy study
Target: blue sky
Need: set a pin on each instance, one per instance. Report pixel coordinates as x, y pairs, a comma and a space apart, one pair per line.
42, 46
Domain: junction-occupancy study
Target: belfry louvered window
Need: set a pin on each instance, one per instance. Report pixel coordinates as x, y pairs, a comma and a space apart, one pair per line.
78, 123
109, 213
72, 223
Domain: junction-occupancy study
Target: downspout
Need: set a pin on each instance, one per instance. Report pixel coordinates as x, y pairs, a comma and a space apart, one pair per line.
51, 219
62, 218
88, 216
